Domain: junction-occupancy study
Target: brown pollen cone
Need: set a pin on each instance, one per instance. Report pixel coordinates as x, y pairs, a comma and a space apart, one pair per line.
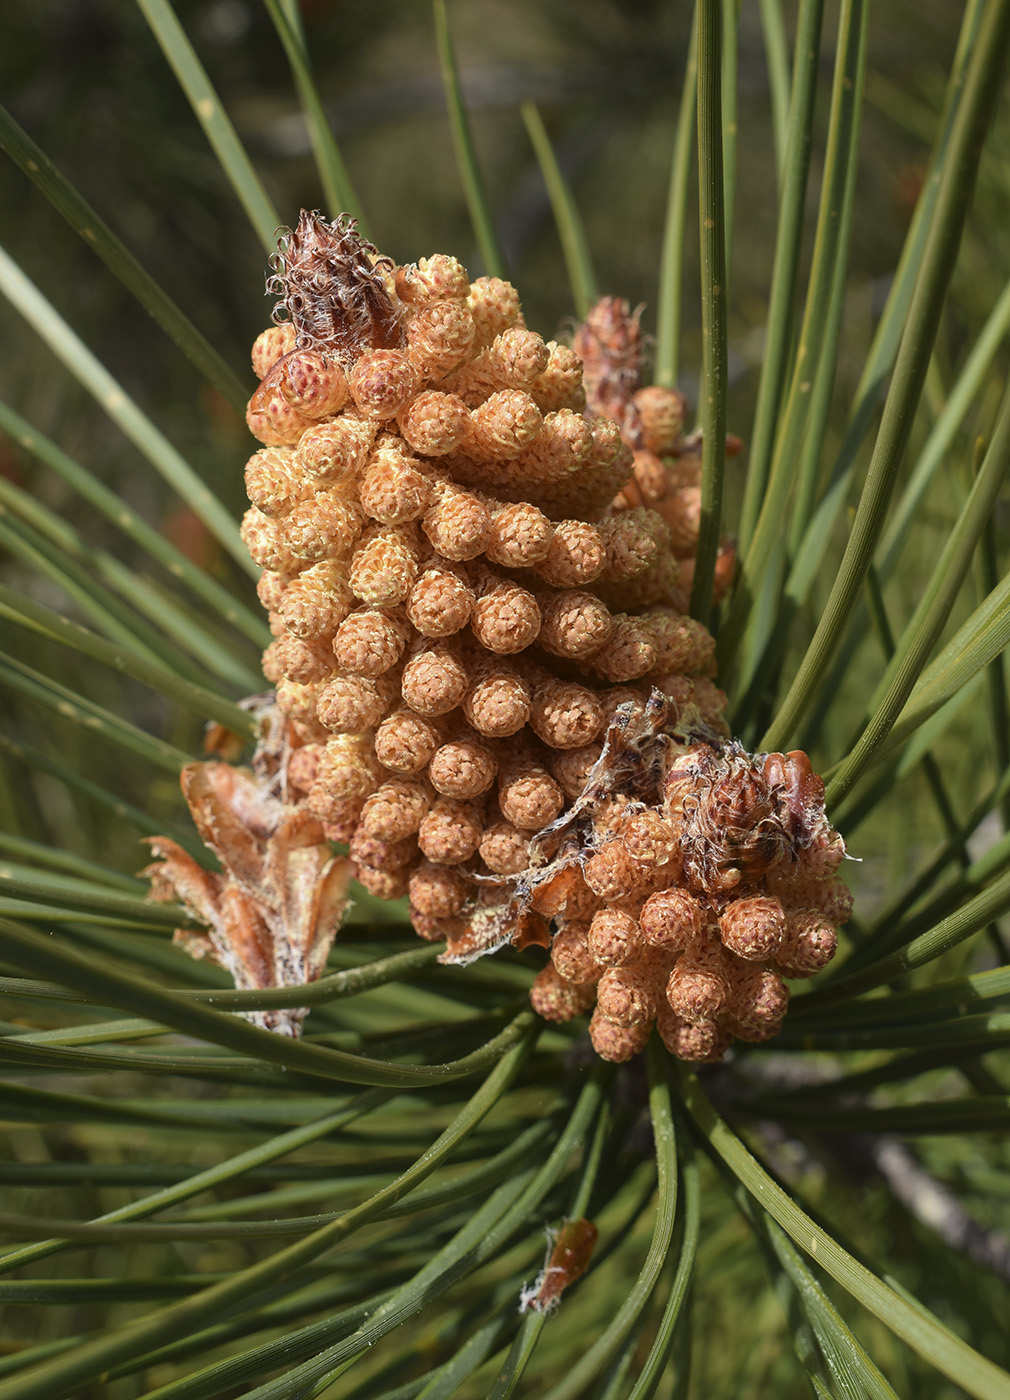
478, 549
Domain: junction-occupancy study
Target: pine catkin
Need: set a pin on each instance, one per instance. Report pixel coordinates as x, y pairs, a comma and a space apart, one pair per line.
477, 551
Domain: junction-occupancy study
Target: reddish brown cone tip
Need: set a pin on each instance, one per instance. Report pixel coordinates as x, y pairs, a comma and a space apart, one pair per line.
331, 288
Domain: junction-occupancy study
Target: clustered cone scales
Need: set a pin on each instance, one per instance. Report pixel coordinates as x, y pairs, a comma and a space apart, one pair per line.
477, 549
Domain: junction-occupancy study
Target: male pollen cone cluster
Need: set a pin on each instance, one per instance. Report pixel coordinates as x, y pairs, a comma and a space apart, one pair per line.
477, 550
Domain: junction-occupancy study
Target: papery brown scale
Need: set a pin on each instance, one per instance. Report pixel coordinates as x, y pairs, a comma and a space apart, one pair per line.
532, 929
564, 894
567, 1261
331, 288
244, 942
177, 876
273, 912
309, 887
233, 815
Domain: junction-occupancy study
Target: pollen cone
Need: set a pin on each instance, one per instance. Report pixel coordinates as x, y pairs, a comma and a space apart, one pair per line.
477, 548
